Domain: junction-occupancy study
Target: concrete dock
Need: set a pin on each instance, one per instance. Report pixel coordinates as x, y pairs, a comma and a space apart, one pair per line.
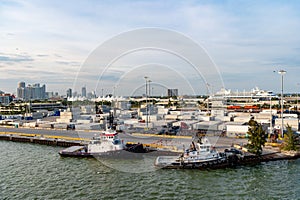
65, 138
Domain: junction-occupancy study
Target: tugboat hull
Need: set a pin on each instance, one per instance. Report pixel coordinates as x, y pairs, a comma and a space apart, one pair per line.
173, 162
131, 151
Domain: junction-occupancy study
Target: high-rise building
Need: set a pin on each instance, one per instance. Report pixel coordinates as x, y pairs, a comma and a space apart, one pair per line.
21, 90
5, 99
49, 95
21, 85
74, 94
31, 92
172, 92
83, 91
69, 92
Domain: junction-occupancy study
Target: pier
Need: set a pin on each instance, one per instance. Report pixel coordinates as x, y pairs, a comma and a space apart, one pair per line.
270, 153
38, 139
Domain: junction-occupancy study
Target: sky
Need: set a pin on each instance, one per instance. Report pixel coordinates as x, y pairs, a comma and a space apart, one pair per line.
53, 43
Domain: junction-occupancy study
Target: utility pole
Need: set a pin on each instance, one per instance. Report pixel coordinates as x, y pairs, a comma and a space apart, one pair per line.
282, 72
102, 98
149, 92
271, 116
207, 86
297, 97
146, 78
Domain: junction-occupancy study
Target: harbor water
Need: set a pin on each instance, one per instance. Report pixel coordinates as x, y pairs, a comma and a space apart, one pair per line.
30, 171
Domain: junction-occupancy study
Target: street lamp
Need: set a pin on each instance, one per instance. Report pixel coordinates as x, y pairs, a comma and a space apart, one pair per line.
102, 98
207, 87
149, 92
152, 93
297, 98
282, 72
271, 116
114, 101
146, 78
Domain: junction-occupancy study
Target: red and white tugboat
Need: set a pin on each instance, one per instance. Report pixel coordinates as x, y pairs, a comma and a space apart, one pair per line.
107, 141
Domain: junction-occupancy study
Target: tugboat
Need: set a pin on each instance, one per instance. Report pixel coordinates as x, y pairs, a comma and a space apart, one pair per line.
107, 141
201, 155
107, 144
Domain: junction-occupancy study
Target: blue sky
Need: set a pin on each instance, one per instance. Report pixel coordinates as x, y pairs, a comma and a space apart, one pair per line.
49, 41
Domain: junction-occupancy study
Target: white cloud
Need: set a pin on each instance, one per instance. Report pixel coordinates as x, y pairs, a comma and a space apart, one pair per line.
242, 37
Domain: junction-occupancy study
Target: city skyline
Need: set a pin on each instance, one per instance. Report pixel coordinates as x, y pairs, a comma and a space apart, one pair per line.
48, 42
26, 91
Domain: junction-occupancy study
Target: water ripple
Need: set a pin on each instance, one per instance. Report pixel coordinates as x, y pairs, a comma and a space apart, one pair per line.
37, 172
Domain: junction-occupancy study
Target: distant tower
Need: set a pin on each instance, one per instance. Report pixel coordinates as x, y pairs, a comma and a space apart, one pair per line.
172, 92
69, 92
83, 91
21, 85
21, 91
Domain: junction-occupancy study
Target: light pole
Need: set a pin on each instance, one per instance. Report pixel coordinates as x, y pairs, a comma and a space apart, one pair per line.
297, 98
149, 88
102, 98
152, 92
114, 101
149, 92
146, 78
207, 87
271, 116
282, 72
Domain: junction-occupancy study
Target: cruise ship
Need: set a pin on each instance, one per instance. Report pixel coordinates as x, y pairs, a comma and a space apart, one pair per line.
255, 93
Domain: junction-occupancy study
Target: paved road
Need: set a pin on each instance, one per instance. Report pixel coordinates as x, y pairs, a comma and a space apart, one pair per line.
74, 133
65, 133
220, 142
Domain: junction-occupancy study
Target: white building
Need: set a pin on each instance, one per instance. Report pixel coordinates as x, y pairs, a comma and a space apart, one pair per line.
293, 122
236, 129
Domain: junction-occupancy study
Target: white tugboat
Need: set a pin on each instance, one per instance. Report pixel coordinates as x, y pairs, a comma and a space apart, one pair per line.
107, 141
199, 155
106, 144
